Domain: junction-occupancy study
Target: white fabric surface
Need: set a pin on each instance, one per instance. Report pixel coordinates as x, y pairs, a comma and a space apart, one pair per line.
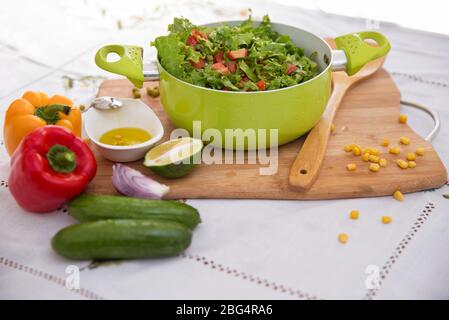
244, 248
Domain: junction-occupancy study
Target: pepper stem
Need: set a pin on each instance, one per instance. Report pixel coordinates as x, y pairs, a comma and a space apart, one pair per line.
51, 113
61, 159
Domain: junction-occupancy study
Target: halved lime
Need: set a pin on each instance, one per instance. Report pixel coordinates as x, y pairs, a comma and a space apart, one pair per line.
174, 158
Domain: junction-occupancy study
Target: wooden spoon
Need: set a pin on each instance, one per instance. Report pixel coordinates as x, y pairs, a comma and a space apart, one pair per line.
308, 162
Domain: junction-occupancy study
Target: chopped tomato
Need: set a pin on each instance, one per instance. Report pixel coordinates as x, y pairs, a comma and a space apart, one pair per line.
198, 65
197, 34
237, 54
220, 67
261, 85
232, 66
291, 68
191, 41
219, 56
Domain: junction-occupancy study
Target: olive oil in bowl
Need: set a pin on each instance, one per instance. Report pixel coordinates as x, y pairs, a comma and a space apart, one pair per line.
126, 136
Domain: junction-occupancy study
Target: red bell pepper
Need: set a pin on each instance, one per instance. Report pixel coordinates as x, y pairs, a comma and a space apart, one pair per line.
50, 166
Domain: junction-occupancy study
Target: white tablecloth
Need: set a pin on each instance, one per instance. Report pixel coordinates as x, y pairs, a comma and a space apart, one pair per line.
243, 249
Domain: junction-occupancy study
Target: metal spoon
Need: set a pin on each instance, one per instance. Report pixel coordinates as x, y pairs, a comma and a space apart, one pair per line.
104, 103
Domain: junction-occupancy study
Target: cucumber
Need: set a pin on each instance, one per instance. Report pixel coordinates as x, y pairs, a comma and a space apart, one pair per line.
99, 207
122, 239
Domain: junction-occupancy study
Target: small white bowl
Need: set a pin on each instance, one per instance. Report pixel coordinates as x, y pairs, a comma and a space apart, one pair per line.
133, 113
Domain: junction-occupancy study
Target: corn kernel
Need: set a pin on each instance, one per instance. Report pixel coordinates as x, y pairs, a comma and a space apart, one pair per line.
404, 140
343, 238
374, 167
402, 164
354, 214
411, 156
402, 118
385, 142
351, 166
332, 127
386, 219
420, 151
394, 150
373, 158
367, 150
398, 195
365, 157
356, 151
383, 162
374, 151
348, 147
411, 164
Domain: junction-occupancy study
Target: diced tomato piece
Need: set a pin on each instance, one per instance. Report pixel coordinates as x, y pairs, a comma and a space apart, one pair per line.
198, 65
219, 56
291, 68
197, 34
220, 67
261, 85
191, 41
232, 66
237, 54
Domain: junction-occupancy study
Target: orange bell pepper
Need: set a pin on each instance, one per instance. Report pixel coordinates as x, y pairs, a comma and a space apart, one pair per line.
34, 110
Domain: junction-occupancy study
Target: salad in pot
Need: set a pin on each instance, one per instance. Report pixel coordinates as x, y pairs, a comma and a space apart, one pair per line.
243, 57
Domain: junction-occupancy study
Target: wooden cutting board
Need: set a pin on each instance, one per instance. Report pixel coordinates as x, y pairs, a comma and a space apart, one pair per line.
368, 113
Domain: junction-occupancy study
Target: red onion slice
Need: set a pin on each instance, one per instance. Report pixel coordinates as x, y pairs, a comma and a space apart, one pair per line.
132, 183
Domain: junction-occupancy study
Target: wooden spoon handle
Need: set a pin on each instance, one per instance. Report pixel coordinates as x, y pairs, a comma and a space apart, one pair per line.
308, 162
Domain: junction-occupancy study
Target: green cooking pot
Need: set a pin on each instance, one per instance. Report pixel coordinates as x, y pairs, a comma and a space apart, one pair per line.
292, 111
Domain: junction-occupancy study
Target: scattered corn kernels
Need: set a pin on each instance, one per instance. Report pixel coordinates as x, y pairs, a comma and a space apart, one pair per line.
383, 162
386, 219
367, 150
373, 158
348, 147
402, 118
343, 238
374, 167
420, 151
374, 151
332, 127
398, 195
385, 142
411, 164
136, 93
354, 214
365, 157
394, 150
404, 140
411, 156
402, 164
351, 166
153, 91
356, 151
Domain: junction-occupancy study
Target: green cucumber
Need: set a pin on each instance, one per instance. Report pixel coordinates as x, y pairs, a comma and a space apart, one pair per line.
99, 207
122, 239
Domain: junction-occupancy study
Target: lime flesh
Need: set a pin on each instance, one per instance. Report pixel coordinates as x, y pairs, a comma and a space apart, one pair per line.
174, 158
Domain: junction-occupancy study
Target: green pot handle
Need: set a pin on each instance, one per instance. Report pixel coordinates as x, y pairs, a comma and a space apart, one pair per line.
129, 64
358, 52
